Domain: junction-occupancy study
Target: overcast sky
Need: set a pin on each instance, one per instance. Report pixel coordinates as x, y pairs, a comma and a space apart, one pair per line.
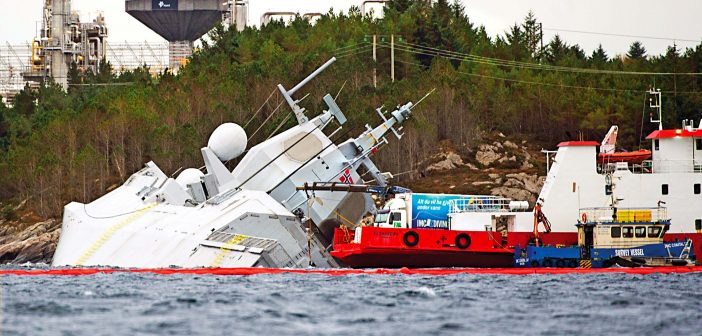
675, 21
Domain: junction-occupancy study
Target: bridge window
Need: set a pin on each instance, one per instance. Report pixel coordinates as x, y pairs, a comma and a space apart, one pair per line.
698, 144
395, 217
698, 224
640, 232
697, 188
628, 232
654, 231
616, 232
656, 144
664, 189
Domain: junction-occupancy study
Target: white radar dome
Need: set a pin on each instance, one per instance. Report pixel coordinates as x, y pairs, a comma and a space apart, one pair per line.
189, 176
228, 141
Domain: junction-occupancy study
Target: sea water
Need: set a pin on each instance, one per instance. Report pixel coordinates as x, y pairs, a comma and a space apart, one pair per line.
317, 304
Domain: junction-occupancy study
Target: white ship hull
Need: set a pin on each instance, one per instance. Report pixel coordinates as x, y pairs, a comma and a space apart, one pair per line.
246, 229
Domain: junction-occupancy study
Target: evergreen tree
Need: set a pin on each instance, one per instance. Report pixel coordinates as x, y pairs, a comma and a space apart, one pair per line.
517, 41
599, 57
3, 126
24, 102
532, 34
672, 52
104, 72
636, 51
73, 73
556, 50
399, 6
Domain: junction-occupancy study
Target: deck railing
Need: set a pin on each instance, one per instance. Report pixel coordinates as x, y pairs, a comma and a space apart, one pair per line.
623, 215
483, 204
667, 166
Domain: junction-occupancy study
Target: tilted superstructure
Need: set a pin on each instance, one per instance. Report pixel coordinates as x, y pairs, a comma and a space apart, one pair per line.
252, 216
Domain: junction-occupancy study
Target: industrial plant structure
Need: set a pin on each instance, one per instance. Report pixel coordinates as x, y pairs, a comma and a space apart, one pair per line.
63, 40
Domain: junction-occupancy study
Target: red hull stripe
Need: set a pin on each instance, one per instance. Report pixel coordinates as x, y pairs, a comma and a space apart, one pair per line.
346, 271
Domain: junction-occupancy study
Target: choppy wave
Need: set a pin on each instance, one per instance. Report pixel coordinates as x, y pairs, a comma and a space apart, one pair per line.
314, 304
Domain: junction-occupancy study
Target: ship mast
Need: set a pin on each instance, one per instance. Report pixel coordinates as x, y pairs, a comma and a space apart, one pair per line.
654, 102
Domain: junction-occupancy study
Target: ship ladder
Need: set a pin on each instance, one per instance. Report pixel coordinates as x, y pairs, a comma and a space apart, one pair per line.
585, 263
686, 249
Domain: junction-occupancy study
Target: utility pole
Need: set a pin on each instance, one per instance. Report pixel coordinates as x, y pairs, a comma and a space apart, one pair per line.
534, 36
392, 57
541, 37
375, 61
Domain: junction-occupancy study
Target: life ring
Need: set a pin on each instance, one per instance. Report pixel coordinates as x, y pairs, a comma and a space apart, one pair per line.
411, 238
462, 241
584, 218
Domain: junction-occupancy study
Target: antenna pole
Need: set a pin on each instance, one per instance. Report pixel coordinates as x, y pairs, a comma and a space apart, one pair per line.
375, 61
392, 57
656, 93
287, 94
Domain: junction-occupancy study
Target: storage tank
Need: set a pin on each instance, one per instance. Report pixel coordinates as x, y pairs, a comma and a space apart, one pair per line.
180, 22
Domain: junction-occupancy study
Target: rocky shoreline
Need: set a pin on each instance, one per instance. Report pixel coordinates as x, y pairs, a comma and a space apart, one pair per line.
35, 244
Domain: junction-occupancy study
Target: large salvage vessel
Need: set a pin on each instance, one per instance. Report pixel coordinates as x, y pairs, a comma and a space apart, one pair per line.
578, 178
251, 216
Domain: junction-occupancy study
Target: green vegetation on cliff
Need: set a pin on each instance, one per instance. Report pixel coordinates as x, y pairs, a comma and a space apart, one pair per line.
60, 146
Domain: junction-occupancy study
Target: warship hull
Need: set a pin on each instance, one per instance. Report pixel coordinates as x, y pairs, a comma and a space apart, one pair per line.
237, 229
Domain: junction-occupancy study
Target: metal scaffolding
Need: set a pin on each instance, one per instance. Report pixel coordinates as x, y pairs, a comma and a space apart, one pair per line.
15, 59
131, 55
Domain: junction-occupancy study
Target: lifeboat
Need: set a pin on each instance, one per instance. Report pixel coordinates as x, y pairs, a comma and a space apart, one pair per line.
635, 157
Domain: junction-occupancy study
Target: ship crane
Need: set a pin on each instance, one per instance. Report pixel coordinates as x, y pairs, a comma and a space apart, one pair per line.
540, 217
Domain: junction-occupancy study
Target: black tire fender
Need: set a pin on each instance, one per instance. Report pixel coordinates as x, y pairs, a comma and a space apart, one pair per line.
560, 263
679, 262
572, 263
535, 263
411, 238
462, 241
547, 263
638, 260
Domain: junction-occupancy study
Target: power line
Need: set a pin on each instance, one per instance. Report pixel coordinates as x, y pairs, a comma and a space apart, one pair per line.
534, 82
551, 84
355, 51
623, 35
452, 55
431, 51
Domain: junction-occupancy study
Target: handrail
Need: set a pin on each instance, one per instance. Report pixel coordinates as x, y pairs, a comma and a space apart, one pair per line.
623, 215
668, 166
484, 203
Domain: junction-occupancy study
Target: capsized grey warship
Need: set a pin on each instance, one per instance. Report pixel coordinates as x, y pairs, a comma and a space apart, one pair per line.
252, 216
